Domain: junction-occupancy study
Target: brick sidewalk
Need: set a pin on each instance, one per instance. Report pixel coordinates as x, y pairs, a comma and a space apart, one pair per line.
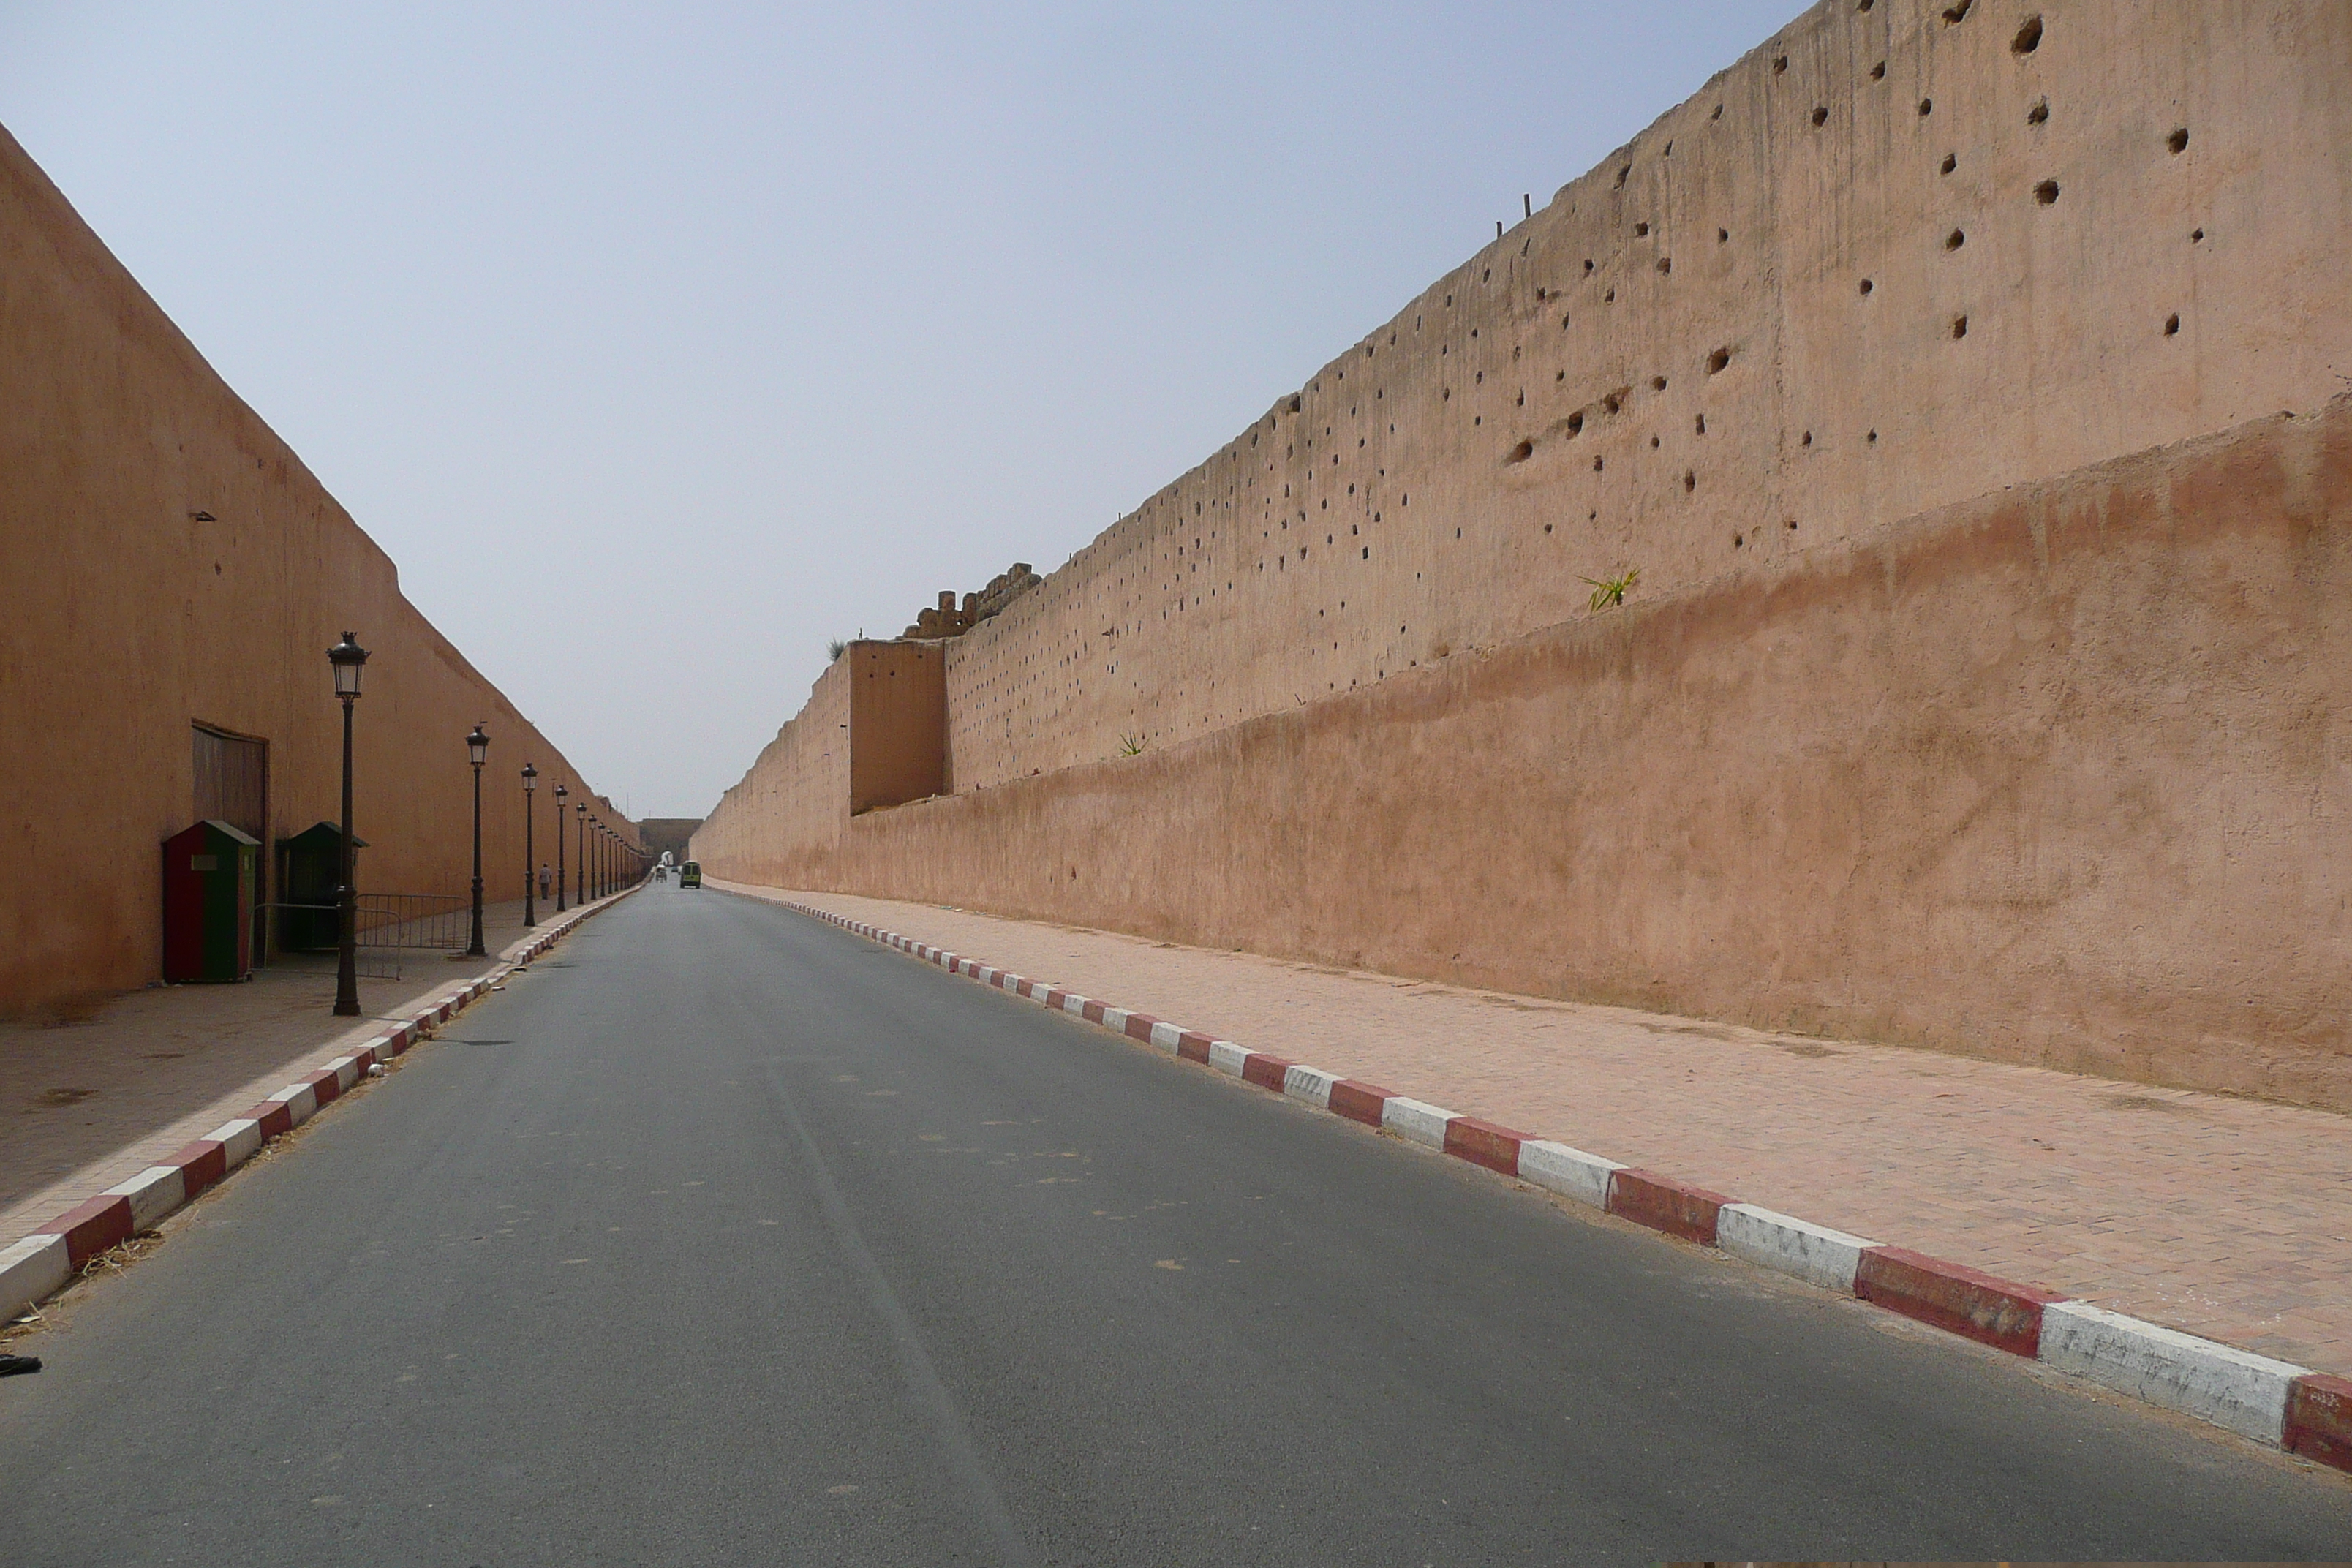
2228, 1218
87, 1103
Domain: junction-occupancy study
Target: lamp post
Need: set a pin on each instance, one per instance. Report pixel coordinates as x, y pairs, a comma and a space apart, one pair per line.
529, 787
477, 747
560, 792
580, 842
348, 660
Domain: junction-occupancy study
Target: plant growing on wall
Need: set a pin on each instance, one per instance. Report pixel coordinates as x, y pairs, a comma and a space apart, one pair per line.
1609, 591
1130, 745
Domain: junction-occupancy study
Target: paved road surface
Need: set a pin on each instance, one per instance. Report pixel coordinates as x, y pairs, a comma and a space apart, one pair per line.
726, 1236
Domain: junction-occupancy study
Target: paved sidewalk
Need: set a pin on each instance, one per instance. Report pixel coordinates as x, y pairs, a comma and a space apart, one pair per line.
87, 1103
2228, 1218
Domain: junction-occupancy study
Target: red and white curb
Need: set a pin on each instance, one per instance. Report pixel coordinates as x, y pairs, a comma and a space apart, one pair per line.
42, 1263
2273, 1402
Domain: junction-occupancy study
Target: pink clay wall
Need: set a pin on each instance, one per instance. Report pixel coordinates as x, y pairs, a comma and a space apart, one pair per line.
1384, 519
124, 618
2059, 775
1957, 701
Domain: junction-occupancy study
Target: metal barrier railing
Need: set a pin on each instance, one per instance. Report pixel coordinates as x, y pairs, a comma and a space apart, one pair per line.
384, 924
428, 920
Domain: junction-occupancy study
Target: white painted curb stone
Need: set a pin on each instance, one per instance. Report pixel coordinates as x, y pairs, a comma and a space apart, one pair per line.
1312, 1085
1227, 1058
2233, 1388
1415, 1120
239, 1140
299, 1101
34, 1268
1813, 1253
153, 1192
1570, 1173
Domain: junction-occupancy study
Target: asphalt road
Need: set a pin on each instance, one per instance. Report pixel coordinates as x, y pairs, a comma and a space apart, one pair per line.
726, 1236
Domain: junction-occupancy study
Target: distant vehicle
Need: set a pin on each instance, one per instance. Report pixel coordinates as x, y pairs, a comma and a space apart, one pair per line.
691, 874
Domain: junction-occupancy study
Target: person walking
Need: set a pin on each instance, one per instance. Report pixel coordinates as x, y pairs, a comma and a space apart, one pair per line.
546, 880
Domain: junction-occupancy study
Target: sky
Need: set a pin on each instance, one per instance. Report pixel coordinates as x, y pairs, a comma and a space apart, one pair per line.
659, 345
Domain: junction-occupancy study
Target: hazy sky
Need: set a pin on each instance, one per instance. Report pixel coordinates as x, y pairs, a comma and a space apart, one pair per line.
659, 344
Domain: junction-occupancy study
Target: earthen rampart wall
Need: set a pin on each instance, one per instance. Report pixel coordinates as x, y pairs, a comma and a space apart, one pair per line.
2056, 776
1964, 381
784, 821
169, 563
1887, 262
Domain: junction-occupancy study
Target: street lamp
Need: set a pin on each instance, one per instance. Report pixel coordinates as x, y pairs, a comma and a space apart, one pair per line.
530, 786
560, 792
477, 747
580, 843
348, 660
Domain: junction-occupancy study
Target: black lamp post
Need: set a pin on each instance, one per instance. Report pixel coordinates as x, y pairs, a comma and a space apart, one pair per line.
580, 842
529, 787
477, 747
560, 792
348, 660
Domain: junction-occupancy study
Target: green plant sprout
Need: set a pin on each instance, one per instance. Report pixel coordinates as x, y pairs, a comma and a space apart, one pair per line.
1608, 591
1130, 745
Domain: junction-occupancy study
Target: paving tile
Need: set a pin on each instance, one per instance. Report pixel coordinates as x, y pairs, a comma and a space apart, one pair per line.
86, 1104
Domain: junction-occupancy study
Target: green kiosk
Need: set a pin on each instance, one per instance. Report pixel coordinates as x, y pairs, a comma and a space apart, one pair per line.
307, 876
208, 872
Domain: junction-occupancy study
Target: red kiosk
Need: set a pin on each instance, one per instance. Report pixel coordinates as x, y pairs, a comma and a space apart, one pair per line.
209, 873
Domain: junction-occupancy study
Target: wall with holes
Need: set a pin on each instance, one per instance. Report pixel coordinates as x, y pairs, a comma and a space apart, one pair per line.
1981, 684
2054, 775
1904, 252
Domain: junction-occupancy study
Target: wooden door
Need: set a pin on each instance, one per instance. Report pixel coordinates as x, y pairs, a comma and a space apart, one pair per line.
232, 775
